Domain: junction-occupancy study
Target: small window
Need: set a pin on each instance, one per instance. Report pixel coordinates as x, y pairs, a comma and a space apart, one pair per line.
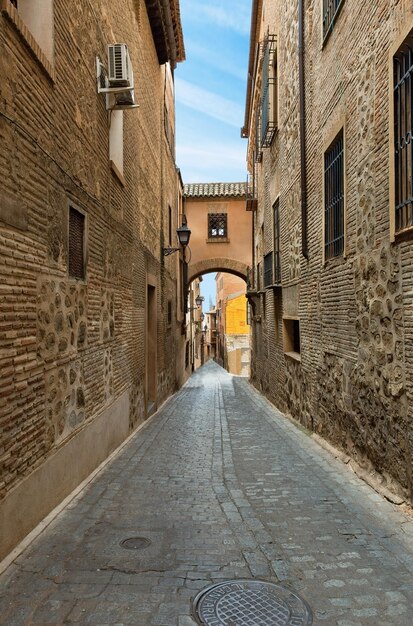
334, 198
14, 3
331, 9
76, 246
217, 225
403, 135
292, 343
169, 312
277, 243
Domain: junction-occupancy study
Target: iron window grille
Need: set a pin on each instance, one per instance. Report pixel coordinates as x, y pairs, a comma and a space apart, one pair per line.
259, 282
217, 225
269, 92
334, 197
251, 194
403, 133
258, 147
76, 244
277, 243
331, 9
169, 131
268, 269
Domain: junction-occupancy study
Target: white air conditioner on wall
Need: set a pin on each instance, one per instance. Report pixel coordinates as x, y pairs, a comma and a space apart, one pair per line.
119, 65
116, 82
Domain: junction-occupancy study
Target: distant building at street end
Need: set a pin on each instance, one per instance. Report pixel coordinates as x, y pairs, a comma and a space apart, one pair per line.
233, 330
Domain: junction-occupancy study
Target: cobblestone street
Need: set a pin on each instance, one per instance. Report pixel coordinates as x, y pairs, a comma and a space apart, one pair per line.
224, 487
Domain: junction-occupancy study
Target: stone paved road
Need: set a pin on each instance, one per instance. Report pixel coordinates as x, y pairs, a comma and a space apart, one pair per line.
224, 487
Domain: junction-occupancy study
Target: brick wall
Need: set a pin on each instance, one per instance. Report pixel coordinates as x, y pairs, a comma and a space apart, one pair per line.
68, 348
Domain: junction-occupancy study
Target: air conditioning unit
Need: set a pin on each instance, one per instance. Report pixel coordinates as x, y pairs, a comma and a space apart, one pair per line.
120, 73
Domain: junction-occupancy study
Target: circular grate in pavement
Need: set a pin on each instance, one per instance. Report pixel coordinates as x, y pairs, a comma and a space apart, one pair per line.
250, 603
135, 543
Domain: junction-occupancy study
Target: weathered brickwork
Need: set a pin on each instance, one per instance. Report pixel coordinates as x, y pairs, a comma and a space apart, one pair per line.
351, 381
71, 348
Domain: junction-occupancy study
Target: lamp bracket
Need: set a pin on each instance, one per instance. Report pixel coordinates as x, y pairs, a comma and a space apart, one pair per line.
168, 251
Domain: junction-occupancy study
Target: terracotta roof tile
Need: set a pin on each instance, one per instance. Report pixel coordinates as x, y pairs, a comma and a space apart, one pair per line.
214, 190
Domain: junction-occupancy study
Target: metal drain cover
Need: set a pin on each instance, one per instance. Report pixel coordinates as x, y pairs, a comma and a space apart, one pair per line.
250, 603
135, 543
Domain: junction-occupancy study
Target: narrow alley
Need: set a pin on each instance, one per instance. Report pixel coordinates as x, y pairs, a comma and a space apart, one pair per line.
222, 486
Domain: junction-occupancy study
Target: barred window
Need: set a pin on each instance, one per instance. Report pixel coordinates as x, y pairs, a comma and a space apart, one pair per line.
331, 9
403, 134
76, 244
269, 94
277, 244
169, 312
217, 225
268, 269
334, 197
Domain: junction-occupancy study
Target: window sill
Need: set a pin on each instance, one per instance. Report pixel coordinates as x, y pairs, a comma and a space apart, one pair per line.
295, 356
13, 15
403, 235
218, 240
117, 173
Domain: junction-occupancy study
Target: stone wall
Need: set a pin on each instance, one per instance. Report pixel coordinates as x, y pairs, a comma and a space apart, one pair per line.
351, 382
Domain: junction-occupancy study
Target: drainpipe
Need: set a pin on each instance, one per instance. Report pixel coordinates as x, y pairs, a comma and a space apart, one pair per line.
301, 78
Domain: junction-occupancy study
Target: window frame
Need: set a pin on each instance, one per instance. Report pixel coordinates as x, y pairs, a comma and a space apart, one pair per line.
269, 93
276, 242
335, 130
72, 205
43, 52
289, 336
326, 33
217, 237
407, 233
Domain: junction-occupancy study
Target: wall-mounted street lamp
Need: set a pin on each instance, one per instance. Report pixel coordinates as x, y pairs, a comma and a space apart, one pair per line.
202, 316
199, 300
183, 233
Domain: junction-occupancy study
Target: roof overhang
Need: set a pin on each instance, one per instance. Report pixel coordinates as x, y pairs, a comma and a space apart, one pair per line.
254, 41
165, 20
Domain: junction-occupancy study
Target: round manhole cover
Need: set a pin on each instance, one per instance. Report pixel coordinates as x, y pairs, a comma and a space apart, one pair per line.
250, 603
135, 543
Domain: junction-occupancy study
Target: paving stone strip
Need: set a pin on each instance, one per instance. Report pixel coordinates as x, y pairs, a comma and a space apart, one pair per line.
224, 487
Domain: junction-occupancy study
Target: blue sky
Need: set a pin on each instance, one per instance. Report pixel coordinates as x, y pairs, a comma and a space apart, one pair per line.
210, 88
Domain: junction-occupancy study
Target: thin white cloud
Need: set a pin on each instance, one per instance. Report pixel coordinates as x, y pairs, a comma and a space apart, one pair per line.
230, 14
212, 161
209, 57
235, 19
208, 103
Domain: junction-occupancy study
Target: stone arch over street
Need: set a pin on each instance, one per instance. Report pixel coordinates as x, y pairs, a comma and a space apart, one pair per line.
231, 266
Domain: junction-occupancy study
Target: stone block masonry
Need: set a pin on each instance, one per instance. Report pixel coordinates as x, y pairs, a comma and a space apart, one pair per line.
351, 380
73, 350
